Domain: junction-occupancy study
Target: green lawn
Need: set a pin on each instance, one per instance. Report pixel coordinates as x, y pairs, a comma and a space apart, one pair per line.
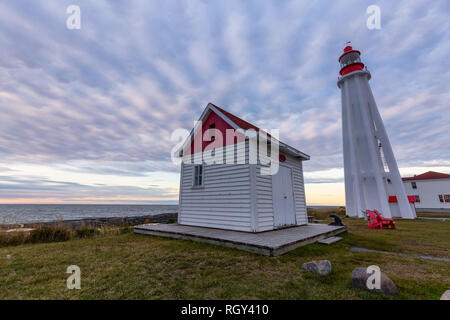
129, 266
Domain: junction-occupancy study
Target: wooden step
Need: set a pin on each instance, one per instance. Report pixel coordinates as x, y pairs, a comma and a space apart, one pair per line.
330, 240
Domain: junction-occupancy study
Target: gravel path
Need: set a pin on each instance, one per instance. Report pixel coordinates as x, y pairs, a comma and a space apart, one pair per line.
422, 256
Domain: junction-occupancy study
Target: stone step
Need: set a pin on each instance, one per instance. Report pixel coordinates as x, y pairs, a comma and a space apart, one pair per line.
330, 240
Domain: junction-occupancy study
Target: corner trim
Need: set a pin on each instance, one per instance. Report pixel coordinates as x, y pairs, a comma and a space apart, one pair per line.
253, 198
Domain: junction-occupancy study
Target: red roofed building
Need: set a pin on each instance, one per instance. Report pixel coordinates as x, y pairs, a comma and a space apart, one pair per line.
431, 191
430, 175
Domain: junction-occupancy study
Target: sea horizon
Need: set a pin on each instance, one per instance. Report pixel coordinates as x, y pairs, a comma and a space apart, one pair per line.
138, 204
18, 213
36, 213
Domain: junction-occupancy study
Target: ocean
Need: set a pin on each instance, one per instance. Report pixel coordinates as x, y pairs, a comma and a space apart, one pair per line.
30, 213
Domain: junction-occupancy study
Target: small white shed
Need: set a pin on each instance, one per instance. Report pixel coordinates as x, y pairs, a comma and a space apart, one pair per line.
235, 194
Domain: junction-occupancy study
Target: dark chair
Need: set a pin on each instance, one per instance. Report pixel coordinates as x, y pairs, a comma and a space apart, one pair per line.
337, 221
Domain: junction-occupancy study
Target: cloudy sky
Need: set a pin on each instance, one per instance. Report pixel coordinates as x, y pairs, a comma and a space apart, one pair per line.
86, 115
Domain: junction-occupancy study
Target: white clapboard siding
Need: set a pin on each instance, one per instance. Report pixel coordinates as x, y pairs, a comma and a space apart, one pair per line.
237, 154
235, 196
264, 203
223, 201
264, 197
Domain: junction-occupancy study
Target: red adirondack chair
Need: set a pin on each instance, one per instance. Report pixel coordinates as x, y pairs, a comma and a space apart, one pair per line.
372, 221
388, 223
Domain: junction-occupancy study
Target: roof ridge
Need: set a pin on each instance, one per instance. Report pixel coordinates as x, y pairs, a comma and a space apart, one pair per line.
429, 175
234, 117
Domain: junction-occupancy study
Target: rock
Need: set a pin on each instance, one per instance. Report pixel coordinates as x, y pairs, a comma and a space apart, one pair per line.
359, 280
446, 295
322, 267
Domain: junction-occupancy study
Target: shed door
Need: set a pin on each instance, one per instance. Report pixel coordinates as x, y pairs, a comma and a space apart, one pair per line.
283, 198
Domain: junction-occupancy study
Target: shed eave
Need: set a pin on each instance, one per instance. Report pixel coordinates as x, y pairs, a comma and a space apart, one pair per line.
294, 152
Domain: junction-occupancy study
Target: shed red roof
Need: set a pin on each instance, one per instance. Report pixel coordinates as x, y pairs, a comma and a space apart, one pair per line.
430, 175
241, 123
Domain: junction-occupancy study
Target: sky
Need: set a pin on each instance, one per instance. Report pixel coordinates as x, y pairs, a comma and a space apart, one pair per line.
86, 115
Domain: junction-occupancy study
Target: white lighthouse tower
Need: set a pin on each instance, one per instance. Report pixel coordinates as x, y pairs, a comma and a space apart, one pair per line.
372, 178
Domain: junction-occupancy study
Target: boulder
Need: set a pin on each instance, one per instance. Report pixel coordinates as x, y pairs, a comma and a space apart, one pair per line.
446, 295
322, 267
359, 280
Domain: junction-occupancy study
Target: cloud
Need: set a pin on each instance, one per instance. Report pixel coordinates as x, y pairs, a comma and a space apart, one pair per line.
106, 98
38, 188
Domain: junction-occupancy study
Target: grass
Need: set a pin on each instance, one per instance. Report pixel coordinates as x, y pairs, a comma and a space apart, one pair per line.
58, 233
128, 266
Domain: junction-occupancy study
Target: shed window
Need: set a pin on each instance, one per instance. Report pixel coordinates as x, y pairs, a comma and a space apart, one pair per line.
416, 198
413, 185
441, 198
447, 197
198, 175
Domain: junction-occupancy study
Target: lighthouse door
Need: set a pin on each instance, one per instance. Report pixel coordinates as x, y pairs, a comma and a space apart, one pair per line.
283, 198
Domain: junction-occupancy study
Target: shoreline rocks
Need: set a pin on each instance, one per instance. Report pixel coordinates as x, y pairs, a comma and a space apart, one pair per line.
101, 221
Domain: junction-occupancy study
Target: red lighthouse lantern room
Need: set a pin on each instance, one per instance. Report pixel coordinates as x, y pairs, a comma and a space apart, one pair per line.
350, 61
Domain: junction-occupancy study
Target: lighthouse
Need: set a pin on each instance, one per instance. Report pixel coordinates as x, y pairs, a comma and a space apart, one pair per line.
372, 179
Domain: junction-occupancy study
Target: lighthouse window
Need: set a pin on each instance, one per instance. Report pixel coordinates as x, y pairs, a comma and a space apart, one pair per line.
349, 59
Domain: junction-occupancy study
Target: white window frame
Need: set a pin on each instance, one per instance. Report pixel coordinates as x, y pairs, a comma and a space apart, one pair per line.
198, 176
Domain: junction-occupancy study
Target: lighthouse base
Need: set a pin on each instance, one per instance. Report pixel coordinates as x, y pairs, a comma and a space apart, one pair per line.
395, 209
